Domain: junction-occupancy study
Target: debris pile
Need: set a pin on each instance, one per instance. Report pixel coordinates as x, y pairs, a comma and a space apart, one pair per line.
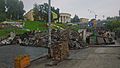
59, 48
40, 39
60, 51
76, 40
8, 40
101, 37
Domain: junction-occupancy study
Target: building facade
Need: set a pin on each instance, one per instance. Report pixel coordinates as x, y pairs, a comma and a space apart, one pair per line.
84, 20
29, 15
65, 17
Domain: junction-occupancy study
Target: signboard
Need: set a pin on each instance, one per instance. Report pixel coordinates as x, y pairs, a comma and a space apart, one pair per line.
90, 24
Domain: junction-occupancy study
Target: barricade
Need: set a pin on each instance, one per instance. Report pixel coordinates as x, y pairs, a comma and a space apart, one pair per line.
22, 61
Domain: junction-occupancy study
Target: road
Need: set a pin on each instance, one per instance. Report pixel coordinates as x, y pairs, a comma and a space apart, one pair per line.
10, 52
93, 57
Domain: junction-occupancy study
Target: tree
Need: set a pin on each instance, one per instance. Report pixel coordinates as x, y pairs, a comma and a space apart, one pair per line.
44, 12
36, 12
11, 9
41, 12
2, 10
11, 6
20, 10
75, 19
113, 25
14, 9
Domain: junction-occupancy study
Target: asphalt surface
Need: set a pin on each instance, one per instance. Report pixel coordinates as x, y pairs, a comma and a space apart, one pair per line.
92, 57
10, 52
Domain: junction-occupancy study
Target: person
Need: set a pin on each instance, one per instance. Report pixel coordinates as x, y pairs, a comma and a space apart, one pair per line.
88, 40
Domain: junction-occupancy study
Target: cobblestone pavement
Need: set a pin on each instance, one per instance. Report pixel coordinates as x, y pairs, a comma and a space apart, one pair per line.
8, 54
93, 57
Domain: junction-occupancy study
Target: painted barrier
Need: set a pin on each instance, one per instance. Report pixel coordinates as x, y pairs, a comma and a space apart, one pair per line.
22, 61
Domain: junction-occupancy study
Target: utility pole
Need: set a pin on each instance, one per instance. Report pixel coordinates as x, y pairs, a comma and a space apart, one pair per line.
49, 22
119, 13
49, 29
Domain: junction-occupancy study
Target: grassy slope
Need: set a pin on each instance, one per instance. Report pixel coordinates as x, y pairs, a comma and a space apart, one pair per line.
34, 25
31, 25
6, 32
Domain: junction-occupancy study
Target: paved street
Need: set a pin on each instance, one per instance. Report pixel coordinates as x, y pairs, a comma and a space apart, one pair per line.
8, 54
93, 57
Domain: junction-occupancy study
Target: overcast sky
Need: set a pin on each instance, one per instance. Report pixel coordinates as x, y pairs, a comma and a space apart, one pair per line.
80, 7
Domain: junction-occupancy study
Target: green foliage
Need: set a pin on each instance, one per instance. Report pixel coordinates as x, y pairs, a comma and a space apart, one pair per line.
20, 10
2, 16
36, 12
2, 10
59, 26
75, 19
2, 5
75, 27
113, 25
14, 9
11, 10
41, 12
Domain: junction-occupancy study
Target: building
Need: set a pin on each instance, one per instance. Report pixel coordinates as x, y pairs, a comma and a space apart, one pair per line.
29, 15
84, 20
65, 17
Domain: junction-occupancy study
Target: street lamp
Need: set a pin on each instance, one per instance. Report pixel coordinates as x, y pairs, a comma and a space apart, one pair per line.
49, 22
49, 29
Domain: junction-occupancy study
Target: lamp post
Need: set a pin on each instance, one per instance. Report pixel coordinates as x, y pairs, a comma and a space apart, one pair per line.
49, 22
49, 29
